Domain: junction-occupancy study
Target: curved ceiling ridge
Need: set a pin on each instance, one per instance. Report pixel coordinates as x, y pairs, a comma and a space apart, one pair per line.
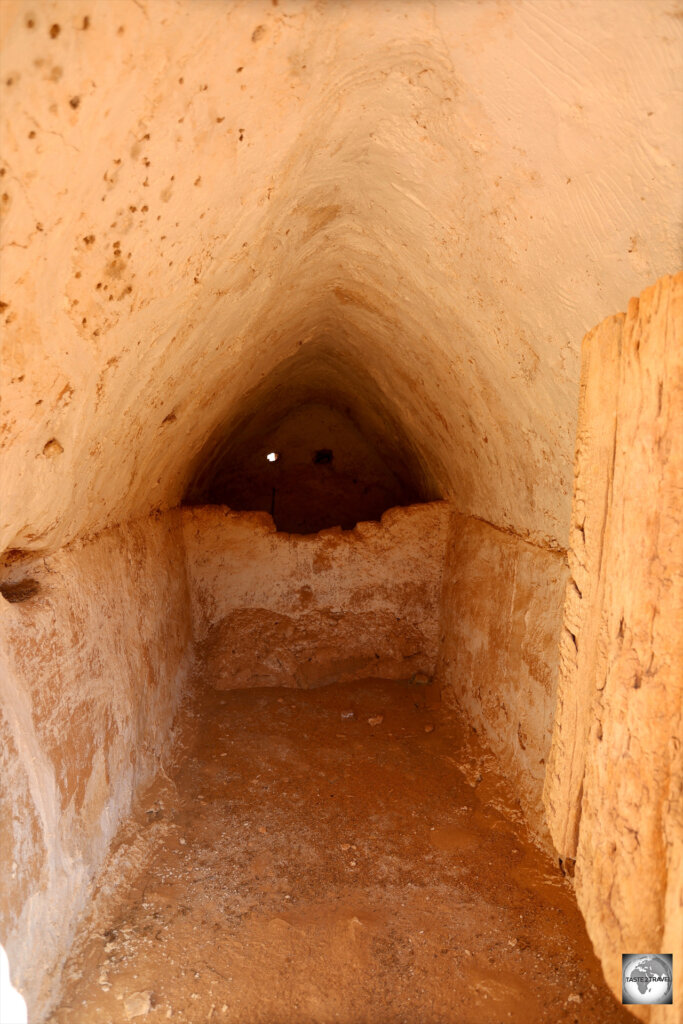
325, 372
179, 216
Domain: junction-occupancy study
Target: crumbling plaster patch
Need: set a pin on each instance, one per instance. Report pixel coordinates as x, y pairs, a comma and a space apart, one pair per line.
92, 670
273, 609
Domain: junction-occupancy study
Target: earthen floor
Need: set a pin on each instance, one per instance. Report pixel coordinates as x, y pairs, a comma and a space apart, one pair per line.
301, 865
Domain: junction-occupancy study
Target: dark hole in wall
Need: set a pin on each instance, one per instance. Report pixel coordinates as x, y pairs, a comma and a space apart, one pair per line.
323, 457
21, 590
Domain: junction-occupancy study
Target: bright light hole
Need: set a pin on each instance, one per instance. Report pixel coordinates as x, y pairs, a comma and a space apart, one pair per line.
273, 456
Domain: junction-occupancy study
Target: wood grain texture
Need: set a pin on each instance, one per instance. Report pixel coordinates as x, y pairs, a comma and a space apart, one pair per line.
613, 790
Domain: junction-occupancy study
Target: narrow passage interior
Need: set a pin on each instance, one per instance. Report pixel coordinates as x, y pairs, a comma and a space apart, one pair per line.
303, 716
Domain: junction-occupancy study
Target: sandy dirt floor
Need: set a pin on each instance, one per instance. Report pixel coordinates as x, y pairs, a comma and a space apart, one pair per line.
342, 855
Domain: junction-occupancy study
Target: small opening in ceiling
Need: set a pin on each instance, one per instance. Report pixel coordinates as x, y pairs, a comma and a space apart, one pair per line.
273, 456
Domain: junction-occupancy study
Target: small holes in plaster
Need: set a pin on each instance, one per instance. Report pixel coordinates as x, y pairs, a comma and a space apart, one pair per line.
52, 448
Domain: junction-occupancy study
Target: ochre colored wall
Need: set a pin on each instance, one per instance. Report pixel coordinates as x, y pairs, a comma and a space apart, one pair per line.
412, 209
273, 609
501, 617
434, 200
92, 670
95, 661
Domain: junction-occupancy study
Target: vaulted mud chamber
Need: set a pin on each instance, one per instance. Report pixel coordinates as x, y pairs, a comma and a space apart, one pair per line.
340, 579
316, 444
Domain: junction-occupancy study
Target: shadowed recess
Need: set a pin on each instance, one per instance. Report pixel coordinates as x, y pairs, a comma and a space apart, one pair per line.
314, 445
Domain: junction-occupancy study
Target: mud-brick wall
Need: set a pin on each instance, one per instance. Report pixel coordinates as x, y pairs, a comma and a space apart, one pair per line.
91, 669
274, 609
501, 622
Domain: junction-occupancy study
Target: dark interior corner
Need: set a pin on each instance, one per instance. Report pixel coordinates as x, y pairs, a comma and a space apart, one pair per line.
304, 448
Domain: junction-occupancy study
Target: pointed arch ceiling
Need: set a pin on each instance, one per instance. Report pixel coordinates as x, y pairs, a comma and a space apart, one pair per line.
446, 196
